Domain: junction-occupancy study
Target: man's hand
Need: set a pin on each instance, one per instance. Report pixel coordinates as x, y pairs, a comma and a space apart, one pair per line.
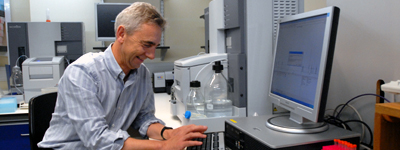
177, 139
182, 137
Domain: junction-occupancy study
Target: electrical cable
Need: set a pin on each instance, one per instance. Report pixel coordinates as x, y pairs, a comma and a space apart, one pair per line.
14, 80
15, 84
337, 116
337, 122
366, 125
359, 116
348, 128
67, 60
16, 62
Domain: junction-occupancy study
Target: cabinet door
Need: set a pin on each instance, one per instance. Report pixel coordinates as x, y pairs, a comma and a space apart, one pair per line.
14, 137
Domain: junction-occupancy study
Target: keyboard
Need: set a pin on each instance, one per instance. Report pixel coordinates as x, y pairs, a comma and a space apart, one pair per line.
213, 141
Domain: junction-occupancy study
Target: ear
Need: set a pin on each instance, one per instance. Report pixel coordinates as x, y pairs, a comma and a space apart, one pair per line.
120, 35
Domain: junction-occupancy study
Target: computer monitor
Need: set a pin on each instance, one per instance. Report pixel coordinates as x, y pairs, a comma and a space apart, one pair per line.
302, 68
105, 14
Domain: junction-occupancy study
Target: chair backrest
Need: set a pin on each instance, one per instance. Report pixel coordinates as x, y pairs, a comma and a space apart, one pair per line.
40, 112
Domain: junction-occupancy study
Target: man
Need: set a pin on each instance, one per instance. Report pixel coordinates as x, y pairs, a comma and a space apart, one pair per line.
100, 95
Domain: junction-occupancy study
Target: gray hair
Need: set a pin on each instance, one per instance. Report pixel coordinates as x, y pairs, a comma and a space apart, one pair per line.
137, 14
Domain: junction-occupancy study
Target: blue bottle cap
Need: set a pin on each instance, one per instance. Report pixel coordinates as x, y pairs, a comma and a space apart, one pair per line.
188, 114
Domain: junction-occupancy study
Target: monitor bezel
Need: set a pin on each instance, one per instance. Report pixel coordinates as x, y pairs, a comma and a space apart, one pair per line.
298, 111
104, 38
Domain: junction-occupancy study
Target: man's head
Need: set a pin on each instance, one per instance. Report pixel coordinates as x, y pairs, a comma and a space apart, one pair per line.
137, 14
138, 30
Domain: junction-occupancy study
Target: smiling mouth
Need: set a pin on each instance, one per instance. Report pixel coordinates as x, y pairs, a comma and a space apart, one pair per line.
139, 58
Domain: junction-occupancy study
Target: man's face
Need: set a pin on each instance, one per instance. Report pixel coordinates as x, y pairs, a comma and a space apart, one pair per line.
140, 45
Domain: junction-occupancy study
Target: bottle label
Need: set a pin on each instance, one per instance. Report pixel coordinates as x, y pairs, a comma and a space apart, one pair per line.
210, 106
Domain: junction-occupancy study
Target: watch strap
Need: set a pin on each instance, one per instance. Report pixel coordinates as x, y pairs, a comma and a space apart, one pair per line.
162, 132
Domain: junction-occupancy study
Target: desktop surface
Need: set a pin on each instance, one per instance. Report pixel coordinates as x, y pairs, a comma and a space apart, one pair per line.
253, 134
163, 110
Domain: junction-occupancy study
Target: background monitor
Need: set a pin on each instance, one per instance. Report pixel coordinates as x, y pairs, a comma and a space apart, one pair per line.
301, 69
105, 18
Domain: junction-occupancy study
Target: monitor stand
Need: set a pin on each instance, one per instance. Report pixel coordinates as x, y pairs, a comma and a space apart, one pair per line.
284, 124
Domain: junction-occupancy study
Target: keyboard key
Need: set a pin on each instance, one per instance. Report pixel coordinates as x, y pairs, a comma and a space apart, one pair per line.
211, 142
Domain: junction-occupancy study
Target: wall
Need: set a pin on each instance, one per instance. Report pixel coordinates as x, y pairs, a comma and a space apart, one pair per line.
185, 30
314, 4
367, 49
20, 10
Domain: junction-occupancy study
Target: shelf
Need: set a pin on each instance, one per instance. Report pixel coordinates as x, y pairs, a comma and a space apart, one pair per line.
163, 51
386, 128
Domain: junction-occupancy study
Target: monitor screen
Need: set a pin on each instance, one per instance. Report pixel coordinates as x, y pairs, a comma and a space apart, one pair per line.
105, 18
302, 63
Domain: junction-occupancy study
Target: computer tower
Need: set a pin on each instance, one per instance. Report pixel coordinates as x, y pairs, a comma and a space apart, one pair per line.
251, 133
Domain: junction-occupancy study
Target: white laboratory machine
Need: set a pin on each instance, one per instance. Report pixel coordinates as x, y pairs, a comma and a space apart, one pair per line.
41, 72
241, 34
162, 81
45, 39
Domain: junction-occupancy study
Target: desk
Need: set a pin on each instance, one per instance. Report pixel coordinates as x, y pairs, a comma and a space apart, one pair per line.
21, 115
387, 126
163, 110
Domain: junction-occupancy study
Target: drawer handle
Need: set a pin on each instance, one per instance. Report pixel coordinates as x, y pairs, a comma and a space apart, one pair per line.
27, 134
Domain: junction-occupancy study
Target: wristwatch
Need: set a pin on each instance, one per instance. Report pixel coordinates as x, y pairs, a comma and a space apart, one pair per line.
162, 131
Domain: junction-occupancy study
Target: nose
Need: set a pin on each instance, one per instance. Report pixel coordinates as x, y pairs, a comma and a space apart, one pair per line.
150, 53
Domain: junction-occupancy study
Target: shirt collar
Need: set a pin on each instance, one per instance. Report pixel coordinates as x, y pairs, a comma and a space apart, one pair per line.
113, 65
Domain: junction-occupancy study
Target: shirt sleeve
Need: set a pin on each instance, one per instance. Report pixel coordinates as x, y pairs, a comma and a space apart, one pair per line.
78, 90
146, 115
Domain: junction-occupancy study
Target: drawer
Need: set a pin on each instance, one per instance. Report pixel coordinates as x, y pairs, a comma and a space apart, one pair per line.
14, 136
